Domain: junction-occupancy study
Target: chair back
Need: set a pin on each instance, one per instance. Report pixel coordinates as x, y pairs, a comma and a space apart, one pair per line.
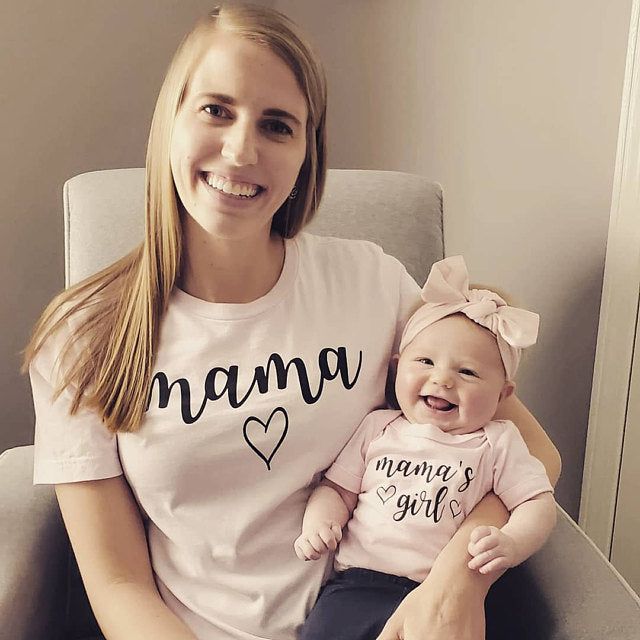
104, 216
104, 220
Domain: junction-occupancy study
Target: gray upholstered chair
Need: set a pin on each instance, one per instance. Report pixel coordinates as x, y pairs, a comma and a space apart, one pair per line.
568, 591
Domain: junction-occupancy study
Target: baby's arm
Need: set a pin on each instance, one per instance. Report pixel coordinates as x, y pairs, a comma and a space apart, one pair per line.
328, 510
529, 525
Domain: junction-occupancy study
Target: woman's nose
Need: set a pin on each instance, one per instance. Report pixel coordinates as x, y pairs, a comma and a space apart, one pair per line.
240, 145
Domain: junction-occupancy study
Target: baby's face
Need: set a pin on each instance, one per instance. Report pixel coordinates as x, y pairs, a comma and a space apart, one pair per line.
451, 375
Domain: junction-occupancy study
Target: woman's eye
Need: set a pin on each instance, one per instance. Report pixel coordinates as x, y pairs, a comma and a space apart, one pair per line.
215, 110
278, 127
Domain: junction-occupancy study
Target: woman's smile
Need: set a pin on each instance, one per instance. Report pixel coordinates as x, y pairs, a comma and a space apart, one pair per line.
232, 187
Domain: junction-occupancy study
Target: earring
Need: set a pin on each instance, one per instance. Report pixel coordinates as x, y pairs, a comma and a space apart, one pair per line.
294, 192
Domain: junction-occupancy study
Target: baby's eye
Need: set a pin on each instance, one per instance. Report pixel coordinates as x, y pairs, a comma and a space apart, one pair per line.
277, 127
428, 361
216, 110
468, 372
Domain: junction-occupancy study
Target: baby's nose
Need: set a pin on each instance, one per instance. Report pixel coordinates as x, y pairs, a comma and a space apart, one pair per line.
442, 378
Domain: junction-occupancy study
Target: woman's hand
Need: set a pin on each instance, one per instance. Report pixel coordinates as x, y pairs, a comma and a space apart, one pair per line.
110, 545
438, 612
449, 604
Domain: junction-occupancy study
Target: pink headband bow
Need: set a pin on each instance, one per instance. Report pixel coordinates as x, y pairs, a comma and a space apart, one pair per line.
446, 292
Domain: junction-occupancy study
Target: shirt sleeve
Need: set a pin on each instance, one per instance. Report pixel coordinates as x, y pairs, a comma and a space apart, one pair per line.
517, 475
67, 448
350, 465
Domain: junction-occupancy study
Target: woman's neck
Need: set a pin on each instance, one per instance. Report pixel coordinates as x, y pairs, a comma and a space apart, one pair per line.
231, 271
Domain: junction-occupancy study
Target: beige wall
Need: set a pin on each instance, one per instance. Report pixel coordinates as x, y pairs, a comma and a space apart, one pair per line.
513, 107
79, 81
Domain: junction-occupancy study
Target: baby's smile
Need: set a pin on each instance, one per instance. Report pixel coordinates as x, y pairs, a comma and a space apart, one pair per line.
439, 404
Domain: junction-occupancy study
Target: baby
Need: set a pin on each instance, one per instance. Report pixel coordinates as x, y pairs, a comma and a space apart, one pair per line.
407, 479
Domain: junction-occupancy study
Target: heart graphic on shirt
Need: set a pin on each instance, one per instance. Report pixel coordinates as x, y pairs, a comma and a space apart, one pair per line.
386, 493
455, 507
265, 438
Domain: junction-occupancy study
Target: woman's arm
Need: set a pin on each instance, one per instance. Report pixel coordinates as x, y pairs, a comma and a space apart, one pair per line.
450, 602
109, 542
538, 442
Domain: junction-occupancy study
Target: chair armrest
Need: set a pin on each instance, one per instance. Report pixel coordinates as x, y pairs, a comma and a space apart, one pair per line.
566, 591
33, 553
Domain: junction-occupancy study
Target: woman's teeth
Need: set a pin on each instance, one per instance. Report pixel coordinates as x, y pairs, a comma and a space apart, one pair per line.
232, 188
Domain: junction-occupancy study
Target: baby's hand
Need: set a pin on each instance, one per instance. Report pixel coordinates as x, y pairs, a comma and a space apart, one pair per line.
492, 550
312, 545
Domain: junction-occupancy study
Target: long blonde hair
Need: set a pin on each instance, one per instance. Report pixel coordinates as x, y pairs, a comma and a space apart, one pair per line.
115, 315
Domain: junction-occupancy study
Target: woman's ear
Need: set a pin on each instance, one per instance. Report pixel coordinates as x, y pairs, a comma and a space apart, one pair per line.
508, 389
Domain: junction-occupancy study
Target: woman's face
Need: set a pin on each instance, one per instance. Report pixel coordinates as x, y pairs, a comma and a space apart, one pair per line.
239, 138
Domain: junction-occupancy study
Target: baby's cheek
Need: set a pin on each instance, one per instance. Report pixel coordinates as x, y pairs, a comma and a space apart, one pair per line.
480, 409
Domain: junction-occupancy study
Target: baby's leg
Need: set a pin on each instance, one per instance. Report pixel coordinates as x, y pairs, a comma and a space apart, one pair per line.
355, 605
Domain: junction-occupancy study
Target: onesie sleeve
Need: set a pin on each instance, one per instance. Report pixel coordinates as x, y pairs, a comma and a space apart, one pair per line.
67, 448
349, 467
517, 475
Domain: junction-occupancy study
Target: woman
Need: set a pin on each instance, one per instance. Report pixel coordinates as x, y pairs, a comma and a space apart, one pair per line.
189, 396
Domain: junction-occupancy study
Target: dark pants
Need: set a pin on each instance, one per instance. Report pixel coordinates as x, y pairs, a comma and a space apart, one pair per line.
355, 605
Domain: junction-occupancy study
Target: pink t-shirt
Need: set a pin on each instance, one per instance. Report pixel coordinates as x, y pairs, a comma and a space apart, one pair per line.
249, 404
417, 483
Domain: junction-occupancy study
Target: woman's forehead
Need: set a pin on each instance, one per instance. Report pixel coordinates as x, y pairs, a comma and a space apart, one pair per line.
230, 64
